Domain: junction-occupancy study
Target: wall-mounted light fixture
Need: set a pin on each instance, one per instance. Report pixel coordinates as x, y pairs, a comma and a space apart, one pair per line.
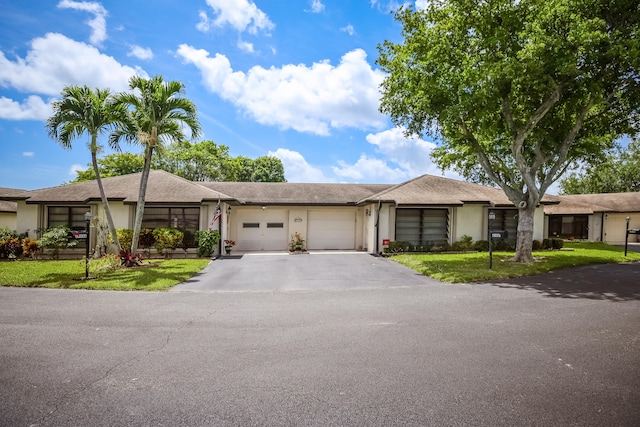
228, 210
264, 207
367, 212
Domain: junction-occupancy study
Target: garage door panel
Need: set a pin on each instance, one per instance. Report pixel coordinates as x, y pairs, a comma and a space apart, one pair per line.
332, 230
262, 230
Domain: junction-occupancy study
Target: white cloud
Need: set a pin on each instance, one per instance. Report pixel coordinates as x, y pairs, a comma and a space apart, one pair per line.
246, 46
55, 61
76, 168
316, 6
411, 154
139, 52
242, 15
370, 169
32, 108
28, 153
98, 24
348, 29
307, 99
398, 159
422, 4
296, 167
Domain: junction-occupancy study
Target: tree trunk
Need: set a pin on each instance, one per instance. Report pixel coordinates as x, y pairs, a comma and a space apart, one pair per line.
144, 178
525, 234
105, 201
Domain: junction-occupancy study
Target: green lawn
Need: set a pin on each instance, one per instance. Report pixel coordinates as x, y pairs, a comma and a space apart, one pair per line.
158, 276
474, 267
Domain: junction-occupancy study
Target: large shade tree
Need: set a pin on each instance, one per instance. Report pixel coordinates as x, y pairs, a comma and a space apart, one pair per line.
516, 90
156, 114
619, 172
83, 110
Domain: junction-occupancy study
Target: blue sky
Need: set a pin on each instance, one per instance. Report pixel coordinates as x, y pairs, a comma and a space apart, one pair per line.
292, 79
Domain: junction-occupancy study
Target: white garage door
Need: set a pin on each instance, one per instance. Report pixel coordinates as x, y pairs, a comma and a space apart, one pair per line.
262, 230
332, 229
616, 229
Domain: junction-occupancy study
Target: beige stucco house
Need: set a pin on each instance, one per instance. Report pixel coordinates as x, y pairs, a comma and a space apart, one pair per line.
593, 217
263, 216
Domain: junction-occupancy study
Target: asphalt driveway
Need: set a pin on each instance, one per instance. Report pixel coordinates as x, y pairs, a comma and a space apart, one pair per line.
304, 272
557, 350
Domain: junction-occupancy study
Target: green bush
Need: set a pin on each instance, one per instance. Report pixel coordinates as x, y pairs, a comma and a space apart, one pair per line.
557, 243
167, 238
481, 246
207, 241
536, 246
547, 244
125, 236
56, 238
464, 244
146, 239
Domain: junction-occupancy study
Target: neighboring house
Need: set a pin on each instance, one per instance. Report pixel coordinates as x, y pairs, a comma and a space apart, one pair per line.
8, 209
594, 217
263, 216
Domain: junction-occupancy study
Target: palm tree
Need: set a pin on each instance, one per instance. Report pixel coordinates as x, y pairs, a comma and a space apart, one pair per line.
83, 110
156, 111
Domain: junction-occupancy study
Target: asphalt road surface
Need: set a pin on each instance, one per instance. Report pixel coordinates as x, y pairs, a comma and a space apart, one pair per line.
555, 350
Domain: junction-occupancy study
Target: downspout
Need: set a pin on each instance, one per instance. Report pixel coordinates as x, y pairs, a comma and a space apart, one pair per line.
376, 227
602, 227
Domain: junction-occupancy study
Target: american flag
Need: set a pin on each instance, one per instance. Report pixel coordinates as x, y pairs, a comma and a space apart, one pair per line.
216, 216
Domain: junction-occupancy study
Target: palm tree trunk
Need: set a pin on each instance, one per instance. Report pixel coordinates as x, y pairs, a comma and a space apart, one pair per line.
144, 178
105, 201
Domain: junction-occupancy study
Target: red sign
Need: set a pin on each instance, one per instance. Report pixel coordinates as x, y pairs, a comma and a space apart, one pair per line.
385, 242
79, 234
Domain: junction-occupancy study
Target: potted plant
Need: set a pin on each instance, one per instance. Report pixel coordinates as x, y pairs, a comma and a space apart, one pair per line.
296, 244
228, 244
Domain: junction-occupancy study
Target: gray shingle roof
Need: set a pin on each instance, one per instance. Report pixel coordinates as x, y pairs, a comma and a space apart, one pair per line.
162, 187
591, 203
7, 205
288, 193
436, 190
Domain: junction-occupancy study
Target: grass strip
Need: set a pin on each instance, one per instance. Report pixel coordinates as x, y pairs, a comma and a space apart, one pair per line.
474, 267
158, 275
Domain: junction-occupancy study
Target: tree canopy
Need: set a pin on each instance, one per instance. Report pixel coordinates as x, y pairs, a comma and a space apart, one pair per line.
84, 110
516, 91
155, 113
618, 173
199, 161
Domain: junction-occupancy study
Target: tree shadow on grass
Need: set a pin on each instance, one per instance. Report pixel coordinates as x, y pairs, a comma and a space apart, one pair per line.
610, 282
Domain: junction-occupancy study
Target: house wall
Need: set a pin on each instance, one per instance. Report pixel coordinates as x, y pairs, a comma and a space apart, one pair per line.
468, 220
8, 220
28, 218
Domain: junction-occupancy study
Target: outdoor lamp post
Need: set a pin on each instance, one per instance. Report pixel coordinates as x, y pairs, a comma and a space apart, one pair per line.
87, 220
626, 237
492, 216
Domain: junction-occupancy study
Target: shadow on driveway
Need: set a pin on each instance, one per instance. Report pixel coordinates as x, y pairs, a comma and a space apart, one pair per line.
613, 282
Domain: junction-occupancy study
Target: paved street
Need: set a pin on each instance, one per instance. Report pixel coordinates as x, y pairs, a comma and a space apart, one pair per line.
547, 352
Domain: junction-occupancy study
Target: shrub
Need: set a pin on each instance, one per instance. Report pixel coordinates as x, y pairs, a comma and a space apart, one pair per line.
125, 236
207, 241
146, 239
547, 244
30, 247
129, 259
481, 245
557, 243
464, 244
536, 246
167, 238
56, 238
